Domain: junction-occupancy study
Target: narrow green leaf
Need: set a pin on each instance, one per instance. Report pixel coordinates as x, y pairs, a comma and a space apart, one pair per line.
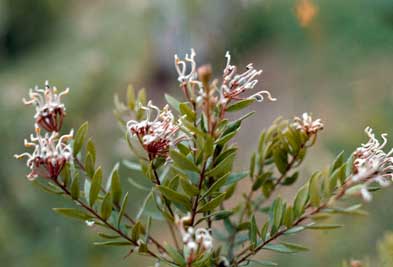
173, 102
217, 185
91, 149
263, 263
324, 226
281, 160
89, 165
294, 247
253, 232
113, 243
188, 187
278, 248
122, 210
175, 255
240, 105
315, 197
75, 191
116, 187
175, 196
80, 138
215, 202
186, 110
182, 161
223, 167
106, 207
72, 213
300, 200
236, 177
95, 186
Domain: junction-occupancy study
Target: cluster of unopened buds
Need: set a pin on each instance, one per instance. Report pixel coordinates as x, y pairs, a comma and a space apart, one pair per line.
51, 151
308, 125
371, 164
196, 241
158, 132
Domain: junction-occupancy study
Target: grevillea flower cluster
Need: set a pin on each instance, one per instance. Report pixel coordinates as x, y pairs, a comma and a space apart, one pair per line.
50, 154
51, 151
372, 164
50, 110
158, 132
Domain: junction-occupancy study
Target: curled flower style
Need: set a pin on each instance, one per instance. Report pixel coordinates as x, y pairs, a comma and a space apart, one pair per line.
49, 109
235, 84
307, 124
156, 135
195, 240
181, 68
50, 154
372, 164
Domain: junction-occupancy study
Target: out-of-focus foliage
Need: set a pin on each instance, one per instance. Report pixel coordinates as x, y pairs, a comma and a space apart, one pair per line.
338, 65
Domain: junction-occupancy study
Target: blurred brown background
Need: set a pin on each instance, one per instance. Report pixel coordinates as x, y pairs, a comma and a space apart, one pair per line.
332, 58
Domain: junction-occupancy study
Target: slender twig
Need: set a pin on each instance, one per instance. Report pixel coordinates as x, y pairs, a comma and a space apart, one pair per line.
246, 253
128, 217
105, 222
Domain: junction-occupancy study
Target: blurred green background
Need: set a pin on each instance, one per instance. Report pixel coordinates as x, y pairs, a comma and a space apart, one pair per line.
332, 58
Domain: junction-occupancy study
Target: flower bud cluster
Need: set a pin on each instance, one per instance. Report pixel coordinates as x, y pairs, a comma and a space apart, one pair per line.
195, 241
308, 125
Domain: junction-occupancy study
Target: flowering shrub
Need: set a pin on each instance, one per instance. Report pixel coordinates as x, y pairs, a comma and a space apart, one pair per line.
186, 153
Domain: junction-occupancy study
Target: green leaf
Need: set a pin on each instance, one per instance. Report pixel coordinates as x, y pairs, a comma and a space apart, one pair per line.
300, 200
116, 186
106, 207
236, 177
122, 210
260, 180
253, 232
91, 149
175, 196
188, 187
175, 255
295, 247
240, 105
278, 248
75, 187
182, 161
224, 139
89, 165
66, 174
186, 110
137, 230
80, 138
138, 185
95, 187
324, 226
278, 209
112, 243
281, 160
72, 213
314, 186
263, 263
223, 167
173, 102
338, 162
217, 185
211, 205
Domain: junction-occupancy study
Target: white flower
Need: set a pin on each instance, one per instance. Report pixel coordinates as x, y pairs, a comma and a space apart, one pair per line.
372, 164
234, 84
307, 124
181, 68
157, 134
50, 154
50, 110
